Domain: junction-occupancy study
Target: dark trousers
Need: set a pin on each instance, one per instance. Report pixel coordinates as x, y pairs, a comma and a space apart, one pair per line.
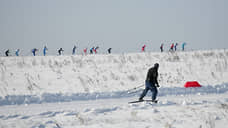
152, 88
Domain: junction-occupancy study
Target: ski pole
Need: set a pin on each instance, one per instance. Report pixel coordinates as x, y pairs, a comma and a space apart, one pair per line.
135, 88
132, 90
139, 86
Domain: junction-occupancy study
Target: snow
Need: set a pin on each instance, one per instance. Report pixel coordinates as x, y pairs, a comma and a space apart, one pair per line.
94, 90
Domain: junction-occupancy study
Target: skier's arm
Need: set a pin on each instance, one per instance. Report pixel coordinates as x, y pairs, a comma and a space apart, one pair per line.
148, 76
156, 81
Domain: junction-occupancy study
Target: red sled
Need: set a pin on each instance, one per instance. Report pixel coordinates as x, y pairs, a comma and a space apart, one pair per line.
192, 84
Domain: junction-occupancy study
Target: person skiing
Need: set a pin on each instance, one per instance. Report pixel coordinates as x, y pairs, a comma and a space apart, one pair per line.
95, 50
85, 51
17, 52
183, 45
171, 47
74, 50
34, 50
45, 50
175, 47
143, 48
91, 50
151, 83
161, 47
7, 52
60, 51
109, 50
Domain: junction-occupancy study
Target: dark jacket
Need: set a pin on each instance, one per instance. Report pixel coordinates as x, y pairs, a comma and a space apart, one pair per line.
152, 75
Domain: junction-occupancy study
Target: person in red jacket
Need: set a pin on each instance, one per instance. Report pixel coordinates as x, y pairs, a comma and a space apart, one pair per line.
143, 48
85, 51
171, 48
95, 50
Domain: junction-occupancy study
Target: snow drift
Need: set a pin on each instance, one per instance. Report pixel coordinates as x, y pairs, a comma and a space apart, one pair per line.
55, 76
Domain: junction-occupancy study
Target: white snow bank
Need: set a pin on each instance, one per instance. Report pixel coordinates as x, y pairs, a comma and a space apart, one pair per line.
91, 74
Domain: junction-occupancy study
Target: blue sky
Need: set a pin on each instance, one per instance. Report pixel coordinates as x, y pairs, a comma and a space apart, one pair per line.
124, 25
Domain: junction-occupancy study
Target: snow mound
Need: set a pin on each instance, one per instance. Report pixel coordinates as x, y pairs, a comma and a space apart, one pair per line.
29, 79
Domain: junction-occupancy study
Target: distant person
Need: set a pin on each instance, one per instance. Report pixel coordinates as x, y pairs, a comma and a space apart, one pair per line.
74, 50
183, 45
161, 47
171, 47
151, 83
60, 51
7, 52
17, 52
95, 50
85, 51
45, 50
143, 48
109, 50
175, 47
91, 50
34, 50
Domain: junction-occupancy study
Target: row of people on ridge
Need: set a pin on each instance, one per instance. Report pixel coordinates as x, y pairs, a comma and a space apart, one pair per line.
92, 50
173, 47
60, 51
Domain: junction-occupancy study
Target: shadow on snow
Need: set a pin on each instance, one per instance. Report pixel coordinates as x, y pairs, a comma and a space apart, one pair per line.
51, 98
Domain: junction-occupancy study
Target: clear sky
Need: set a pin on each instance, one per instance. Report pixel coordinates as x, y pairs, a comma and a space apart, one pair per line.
124, 25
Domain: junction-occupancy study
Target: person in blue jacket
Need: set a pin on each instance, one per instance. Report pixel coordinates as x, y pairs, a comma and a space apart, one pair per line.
91, 50
45, 50
34, 50
17, 52
183, 45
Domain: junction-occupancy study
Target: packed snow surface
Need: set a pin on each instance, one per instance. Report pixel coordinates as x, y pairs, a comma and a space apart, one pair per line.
94, 90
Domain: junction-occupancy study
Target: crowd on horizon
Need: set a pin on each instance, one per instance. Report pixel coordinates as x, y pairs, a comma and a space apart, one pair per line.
173, 47
60, 51
92, 50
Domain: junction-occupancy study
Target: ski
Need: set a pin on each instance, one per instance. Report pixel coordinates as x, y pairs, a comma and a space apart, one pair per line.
137, 101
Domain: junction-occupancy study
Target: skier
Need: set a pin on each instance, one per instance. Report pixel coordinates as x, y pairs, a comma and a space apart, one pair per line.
45, 50
151, 83
183, 45
109, 50
175, 47
161, 47
143, 48
60, 51
95, 50
91, 50
171, 47
85, 51
34, 51
7, 52
17, 52
74, 50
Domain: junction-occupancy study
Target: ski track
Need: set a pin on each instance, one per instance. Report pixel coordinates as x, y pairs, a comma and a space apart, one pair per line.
163, 91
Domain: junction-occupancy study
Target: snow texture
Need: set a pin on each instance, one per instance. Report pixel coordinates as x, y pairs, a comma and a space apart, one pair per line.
94, 90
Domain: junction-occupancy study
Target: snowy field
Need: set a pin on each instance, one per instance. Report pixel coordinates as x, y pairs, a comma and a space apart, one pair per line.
94, 90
